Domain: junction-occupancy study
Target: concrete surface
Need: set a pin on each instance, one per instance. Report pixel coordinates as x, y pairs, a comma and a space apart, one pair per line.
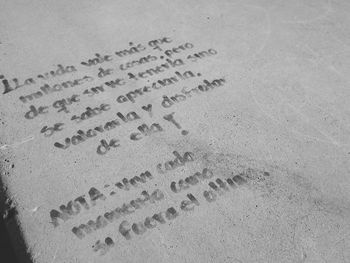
202, 131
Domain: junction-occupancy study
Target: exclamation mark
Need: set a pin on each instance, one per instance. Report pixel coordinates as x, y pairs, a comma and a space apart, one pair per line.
6, 84
170, 118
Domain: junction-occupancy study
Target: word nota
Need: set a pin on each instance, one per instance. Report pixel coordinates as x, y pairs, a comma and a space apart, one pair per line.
74, 207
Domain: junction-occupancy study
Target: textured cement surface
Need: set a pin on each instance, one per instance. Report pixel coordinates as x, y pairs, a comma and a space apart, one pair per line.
277, 127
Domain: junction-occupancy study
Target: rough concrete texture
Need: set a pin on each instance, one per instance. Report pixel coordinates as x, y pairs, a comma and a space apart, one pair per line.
176, 131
